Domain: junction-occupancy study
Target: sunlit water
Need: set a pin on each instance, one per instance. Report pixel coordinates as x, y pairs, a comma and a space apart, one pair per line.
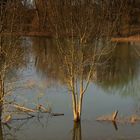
102, 97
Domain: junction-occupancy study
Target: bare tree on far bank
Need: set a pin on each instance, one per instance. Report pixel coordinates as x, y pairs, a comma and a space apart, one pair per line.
124, 14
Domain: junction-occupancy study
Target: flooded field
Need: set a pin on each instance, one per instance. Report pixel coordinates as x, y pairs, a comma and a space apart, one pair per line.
115, 86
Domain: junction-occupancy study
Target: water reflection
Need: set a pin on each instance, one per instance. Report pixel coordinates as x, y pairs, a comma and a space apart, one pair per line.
120, 71
76, 67
13, 58
117, 69
122, 67
50, 60
115, 125
1, 133
77, 132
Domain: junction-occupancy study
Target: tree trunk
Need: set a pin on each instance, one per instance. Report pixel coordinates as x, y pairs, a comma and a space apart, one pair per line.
74, 106
77, 117
80, 104
76, 114
1, 89
77, 108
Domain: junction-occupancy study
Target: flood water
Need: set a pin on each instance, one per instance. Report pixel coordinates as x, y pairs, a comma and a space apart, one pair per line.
117, 87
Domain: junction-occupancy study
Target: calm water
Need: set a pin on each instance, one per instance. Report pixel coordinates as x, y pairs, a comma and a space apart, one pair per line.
116, 87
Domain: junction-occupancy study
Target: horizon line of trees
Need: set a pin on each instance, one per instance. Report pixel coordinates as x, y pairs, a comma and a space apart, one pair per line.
36, 14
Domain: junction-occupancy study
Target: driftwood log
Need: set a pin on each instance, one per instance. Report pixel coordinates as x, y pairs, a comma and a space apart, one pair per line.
115, 118
22, 108
112, 117
57, 114
29, 112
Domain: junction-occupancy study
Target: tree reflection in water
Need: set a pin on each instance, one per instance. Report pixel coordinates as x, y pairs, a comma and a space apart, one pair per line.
76, 65
121, 71
1, 133
77, 132
121, 68
118, 74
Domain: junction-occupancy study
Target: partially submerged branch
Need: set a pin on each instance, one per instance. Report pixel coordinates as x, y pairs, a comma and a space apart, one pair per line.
22, 108
28, 113
57, 114
114, 118
114, 115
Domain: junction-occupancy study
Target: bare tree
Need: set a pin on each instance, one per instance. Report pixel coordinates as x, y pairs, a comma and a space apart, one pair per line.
41, 14
83, 30
86, 26
11, 51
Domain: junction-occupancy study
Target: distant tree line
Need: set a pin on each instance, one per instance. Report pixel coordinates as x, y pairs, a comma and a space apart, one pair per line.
37, 15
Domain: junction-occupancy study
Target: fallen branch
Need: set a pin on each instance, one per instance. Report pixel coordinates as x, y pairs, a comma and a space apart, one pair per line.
29, 112
57, 114
109, 117
114, 118
25, 118
43, 109
7, 119
114, 115
22, 108
134, 118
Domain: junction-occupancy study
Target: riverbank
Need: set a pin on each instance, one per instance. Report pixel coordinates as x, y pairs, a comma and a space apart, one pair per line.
135, 38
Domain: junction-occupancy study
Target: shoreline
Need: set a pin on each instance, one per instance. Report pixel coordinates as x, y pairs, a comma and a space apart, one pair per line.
134, 38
